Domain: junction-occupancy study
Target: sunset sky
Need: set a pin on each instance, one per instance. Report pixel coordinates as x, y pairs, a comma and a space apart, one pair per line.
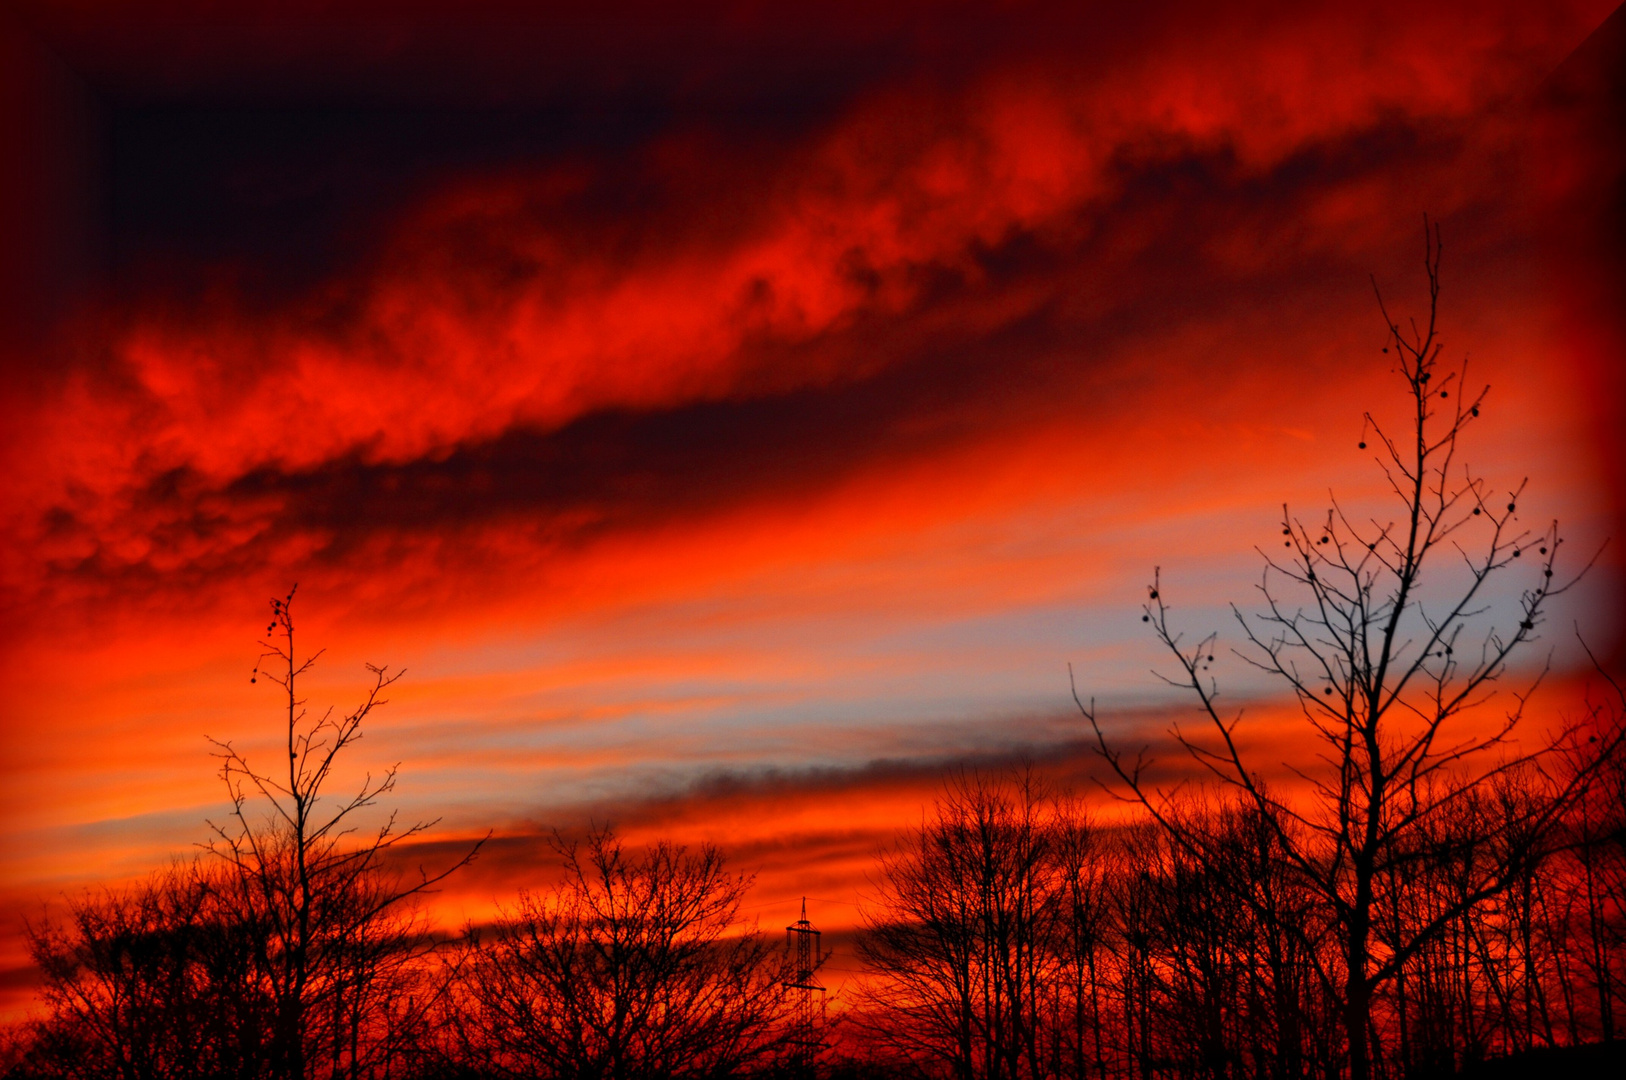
731, 419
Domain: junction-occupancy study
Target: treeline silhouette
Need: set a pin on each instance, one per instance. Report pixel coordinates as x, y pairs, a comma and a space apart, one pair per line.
1017, 937
1424, 891
1013, 936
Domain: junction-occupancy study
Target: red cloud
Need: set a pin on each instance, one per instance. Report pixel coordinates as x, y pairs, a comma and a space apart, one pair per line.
507, 300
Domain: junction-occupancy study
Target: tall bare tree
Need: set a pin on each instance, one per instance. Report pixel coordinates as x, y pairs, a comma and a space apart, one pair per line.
339, 929
1389, 677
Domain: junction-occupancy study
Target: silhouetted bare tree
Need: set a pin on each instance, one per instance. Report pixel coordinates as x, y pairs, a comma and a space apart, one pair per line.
967, 942
292, 952
289, 950
634, 967
340, 935
157, 980
1390, 680
1085, 943
1594, 875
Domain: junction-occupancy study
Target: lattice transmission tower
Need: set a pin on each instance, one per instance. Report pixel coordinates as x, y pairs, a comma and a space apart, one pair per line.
806, 957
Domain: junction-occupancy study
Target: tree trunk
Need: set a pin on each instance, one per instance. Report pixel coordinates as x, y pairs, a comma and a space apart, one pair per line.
1358, 998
